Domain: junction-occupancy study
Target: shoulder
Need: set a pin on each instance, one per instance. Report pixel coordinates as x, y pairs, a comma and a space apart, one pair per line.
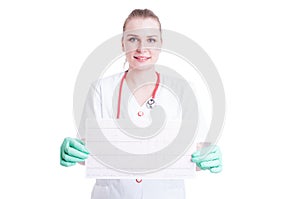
109, 81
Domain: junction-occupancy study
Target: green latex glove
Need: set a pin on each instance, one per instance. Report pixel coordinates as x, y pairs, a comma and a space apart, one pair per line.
208, 158
72, 151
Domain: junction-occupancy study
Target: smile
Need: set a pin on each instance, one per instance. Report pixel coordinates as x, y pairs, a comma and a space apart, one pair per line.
141, 58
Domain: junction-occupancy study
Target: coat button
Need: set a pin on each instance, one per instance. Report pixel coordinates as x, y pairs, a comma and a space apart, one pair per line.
140, 113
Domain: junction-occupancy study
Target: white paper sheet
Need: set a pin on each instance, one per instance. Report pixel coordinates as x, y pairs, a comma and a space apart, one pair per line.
180, 169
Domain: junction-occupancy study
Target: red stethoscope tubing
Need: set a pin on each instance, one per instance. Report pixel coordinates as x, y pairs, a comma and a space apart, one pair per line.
121, 86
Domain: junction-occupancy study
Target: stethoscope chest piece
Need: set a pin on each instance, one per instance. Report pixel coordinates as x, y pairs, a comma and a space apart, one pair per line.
150, 103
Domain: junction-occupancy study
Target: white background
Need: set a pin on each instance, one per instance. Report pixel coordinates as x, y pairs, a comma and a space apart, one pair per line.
254, 44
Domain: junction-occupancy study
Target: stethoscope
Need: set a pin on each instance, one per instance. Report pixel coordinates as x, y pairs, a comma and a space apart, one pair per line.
150, 103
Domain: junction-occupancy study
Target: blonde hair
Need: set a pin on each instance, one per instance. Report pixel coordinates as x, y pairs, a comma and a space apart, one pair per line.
142, 13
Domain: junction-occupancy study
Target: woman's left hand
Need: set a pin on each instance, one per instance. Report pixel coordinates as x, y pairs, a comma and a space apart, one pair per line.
211, 160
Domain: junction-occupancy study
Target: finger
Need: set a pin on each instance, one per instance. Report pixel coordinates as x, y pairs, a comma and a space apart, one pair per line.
64, 145
196, 159
66, 164
69, 158
75, 153
202, 168
210, 157
216, 169
208, 164
196, 153
78, 145
200, 154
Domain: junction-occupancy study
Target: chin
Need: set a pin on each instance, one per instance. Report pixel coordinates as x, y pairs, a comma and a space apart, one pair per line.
143, 66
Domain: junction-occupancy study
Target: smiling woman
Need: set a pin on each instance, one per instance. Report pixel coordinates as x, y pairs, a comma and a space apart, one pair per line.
141, 42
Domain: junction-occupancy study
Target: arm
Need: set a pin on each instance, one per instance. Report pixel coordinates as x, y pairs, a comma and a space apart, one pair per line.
207, 156
73, 150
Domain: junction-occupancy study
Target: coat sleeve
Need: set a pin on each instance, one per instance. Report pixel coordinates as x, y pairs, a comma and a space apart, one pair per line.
92, 108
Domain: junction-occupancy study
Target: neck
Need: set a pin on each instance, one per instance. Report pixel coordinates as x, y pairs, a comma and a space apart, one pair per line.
137, 78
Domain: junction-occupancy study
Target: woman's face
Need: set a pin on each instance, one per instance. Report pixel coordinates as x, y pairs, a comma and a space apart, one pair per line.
141, 42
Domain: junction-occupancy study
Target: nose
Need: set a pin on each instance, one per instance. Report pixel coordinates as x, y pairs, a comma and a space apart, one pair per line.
141, 47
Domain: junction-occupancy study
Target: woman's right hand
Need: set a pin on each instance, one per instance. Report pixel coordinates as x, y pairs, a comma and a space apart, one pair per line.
72, 150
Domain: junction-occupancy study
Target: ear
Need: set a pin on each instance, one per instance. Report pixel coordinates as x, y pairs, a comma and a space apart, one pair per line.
123, 47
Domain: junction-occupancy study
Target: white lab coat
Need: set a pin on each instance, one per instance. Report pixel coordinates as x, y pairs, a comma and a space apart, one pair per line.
99, 103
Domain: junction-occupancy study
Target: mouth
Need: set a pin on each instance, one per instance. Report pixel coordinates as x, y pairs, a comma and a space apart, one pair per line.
141, 58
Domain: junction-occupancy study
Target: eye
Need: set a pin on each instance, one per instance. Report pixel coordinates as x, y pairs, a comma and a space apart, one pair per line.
132, 39
151, 40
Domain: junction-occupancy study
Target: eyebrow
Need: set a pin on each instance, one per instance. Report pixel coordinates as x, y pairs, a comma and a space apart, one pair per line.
130, 35
152, 36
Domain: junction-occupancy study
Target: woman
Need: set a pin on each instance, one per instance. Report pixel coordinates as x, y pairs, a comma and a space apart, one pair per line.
142, 40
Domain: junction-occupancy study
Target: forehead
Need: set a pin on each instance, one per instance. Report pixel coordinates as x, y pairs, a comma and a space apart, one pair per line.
142, 27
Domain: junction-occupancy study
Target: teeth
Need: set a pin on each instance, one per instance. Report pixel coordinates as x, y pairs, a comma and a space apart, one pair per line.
142, 58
